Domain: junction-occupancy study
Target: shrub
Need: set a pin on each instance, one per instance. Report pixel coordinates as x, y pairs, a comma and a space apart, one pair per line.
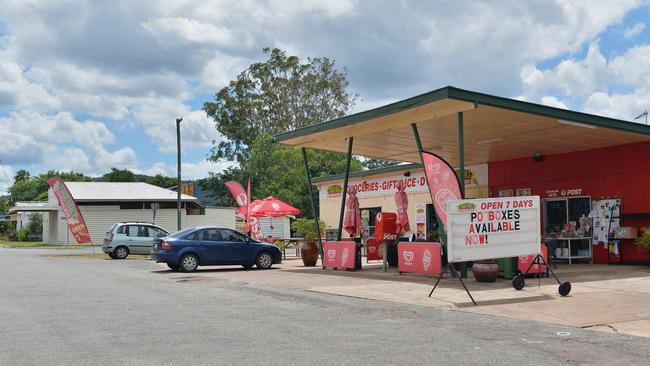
22, 235
35, 225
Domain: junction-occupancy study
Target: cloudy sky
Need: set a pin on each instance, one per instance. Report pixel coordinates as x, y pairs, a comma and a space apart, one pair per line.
90, 85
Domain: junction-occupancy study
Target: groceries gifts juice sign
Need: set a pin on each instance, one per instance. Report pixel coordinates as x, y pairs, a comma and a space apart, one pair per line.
493, 228
76, 222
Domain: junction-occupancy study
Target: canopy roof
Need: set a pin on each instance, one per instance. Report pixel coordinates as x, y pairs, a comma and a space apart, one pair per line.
495, 129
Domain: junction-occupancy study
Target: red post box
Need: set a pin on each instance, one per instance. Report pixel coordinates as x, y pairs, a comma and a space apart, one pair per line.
385, 226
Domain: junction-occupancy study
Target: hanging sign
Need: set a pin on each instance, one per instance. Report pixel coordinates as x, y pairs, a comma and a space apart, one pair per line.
493, 228
419, 257
443, 183
73, 216
338, 254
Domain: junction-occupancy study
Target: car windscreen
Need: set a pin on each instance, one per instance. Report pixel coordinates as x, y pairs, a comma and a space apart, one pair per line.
182, 233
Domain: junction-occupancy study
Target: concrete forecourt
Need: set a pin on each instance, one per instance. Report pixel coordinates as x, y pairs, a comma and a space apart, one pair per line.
81, 311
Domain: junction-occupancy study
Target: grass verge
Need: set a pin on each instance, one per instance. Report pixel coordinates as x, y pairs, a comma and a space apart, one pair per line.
40, 245
99, 255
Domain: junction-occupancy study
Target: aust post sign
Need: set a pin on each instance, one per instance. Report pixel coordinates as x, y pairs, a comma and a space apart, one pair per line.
493, 228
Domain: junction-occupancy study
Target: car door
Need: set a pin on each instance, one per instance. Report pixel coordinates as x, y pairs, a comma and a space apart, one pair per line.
213, 248
138, 239
239, 249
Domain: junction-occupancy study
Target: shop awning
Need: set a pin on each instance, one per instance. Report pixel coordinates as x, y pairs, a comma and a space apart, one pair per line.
495, 129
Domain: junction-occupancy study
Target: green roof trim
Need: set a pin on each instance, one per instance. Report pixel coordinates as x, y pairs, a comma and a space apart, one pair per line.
368, 173
473, 97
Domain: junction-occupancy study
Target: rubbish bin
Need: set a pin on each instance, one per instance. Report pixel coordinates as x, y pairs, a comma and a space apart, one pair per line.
507, 267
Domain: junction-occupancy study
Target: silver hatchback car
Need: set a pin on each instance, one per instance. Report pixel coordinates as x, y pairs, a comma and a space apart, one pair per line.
127, 238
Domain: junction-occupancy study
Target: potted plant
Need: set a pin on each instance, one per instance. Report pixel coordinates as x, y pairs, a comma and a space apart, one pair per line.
643, 241
307, 229
485, 270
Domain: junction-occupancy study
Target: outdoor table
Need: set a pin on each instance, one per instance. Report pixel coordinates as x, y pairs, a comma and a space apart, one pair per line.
291, 241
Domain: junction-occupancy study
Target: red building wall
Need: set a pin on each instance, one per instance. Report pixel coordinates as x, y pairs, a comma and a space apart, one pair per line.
620, 171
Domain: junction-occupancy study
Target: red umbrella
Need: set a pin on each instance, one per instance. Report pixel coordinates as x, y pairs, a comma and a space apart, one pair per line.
352, 220
270, 207
402, 203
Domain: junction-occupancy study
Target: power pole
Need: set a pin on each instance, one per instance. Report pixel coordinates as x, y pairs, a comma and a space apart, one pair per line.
178, 184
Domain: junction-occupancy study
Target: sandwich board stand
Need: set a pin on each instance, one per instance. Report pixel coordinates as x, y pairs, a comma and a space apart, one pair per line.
518, 282
490, 228
453, 273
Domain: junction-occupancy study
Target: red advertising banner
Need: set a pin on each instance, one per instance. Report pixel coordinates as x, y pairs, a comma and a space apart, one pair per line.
524, 262
75, 220
375, 250
338, 254
241, 197
443, 183
419, 257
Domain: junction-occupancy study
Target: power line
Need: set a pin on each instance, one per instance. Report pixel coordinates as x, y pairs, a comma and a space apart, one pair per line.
645, 113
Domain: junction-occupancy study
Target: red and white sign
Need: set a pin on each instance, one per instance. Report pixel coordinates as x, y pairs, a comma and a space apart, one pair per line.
375, 250
443, 183
75, 220
524, 262
338, 254
419, 257
493, 228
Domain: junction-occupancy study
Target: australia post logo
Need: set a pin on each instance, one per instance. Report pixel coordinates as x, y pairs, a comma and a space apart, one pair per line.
331, 254
388, 236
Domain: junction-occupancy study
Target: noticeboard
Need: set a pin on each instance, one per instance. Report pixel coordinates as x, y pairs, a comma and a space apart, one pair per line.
493, 228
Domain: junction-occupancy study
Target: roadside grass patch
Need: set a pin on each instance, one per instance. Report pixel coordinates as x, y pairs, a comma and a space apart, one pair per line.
100, 255
41, 245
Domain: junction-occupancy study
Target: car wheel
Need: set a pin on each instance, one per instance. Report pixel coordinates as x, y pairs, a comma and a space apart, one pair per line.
264, 261
121, 252
112, 255
188, 263
173, 267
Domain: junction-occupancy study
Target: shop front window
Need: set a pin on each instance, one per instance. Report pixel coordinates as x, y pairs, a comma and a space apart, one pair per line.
368, 217
564, 214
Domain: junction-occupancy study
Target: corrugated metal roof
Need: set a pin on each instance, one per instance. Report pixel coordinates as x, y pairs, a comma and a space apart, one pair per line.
127, 191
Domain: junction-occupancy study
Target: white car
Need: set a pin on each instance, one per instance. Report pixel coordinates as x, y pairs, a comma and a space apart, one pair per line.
127, 238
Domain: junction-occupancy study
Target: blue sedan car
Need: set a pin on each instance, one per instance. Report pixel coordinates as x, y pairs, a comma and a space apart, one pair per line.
190, 248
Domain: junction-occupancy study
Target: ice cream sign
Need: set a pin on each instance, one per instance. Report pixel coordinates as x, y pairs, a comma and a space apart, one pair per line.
493, 228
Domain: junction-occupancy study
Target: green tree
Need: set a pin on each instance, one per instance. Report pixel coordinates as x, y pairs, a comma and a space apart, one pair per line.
378, 163
35, 225
162, 181
21, 175
119, 175
36, 187
275, 96
276, 170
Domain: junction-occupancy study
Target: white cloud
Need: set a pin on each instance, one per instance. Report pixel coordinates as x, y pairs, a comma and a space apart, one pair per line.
634, 30
618, 87
189, 170
73, 71
553, 102
60, 142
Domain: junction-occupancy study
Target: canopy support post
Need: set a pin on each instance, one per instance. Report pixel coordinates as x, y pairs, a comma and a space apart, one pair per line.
345, 188
461, 173
311, 200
